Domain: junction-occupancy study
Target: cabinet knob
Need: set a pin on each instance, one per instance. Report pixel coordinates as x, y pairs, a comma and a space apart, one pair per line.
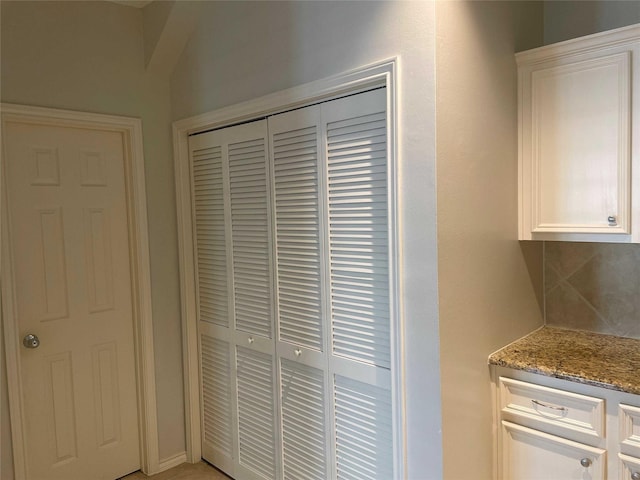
586, 462
612, 220
635, 476
250, 340
298, 352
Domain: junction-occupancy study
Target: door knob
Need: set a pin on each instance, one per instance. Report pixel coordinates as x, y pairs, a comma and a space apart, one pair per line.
31, 341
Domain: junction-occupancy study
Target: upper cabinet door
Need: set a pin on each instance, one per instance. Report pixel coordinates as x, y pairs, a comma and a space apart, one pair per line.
578, 146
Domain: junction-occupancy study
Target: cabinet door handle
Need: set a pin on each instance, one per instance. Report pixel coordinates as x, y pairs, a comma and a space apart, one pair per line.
635, 476
586, 462
613, 221
552, 407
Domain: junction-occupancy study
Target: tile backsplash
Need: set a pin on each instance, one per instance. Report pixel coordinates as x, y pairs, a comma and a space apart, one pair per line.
593, 286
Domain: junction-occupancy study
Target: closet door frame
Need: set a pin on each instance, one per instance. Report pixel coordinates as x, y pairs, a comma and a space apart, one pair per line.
380, 74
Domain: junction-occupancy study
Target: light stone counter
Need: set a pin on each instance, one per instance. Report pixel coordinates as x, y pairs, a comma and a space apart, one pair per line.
590, 358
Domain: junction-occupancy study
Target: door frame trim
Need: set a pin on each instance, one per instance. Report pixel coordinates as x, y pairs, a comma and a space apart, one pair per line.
383, 73
131, 130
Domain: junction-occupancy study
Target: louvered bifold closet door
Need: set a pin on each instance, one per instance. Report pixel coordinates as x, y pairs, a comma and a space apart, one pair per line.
231, 205
301, 300
357, 204
331, 202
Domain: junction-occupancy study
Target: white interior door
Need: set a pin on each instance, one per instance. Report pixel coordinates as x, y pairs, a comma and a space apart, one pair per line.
299, 235
302, 309
331, 204
232, 212
69, 240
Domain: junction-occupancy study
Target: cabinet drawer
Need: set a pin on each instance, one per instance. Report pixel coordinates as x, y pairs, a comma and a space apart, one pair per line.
561, 412
629, 429
629, 467
532, 455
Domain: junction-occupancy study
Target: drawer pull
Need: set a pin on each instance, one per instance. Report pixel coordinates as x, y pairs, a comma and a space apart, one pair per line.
586, 462
552, 407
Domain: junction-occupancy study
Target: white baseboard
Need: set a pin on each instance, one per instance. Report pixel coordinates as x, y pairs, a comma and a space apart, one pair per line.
173, 461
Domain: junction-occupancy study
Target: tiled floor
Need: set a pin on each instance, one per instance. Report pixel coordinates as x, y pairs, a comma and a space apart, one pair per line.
186, 471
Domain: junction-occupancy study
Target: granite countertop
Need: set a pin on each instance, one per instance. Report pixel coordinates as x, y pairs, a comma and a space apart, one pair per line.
590, 358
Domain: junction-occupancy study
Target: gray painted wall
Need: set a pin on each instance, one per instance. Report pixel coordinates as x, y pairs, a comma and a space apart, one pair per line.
242, 50
487, 294
564, 20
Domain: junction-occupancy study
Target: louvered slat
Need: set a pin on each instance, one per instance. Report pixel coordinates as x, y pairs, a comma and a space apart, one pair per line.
364, 432
216, 397
256, 414
295, 175
358, 243
303, 422
250, 234
210, 235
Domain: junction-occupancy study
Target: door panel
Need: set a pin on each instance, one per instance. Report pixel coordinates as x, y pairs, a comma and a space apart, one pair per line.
291, 224
296, 184
99, 259
250, 236
256, 414
358, 228
304, 422
364, 433
52, 274
61, 410
208, 192
69, 241
533, 455
231, 208
217, 404
106, 394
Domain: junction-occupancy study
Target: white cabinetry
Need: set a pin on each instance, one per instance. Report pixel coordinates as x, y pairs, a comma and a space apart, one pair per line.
629, 456
550, 433
530, 454
555, 429
629, 467
579, 142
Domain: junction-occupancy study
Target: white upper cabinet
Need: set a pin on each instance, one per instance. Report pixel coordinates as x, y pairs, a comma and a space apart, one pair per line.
579, 139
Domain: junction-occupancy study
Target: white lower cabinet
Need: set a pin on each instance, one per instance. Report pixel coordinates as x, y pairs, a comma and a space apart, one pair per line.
533, 455
629, 458
629, 467
550, 429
